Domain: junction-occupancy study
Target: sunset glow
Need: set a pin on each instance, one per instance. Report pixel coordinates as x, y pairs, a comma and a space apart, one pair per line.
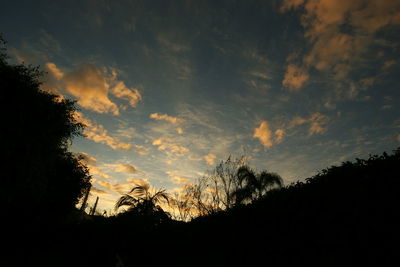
167, 89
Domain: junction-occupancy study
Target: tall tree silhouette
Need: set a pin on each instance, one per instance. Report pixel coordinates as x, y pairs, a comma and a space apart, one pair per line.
42, 180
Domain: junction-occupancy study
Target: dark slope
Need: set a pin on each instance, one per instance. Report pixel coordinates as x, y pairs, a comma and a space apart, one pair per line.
344, 215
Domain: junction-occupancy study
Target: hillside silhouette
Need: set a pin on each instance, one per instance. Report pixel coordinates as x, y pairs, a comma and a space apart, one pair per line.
344, 215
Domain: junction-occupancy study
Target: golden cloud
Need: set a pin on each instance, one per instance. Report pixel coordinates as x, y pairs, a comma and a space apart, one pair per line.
279, 136
127, 168
333, 49
317, 122
264, 134
165, 117
164, 143
106, 185
91, 163
137, 181
295, 77
54, 70
120, 188
176, 178
297, 121
98, 134
92, 87
120, 90
210, 159
98, 191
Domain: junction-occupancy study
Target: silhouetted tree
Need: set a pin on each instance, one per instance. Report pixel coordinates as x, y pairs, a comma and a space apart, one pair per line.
42, 180
252, 185
141, 201
232, 182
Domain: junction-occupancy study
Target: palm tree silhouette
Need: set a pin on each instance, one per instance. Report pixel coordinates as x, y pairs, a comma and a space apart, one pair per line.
252, 185
142, 201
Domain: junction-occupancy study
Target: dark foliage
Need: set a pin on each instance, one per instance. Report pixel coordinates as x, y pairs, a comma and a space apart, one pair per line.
345, 215
41, 180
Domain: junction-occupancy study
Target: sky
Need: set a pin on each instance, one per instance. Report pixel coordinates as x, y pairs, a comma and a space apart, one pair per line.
167, 89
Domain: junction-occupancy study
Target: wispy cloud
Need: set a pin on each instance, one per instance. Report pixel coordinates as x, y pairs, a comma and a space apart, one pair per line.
177, 179
279, 134
123, 188
317, 123
97, 191
173, 46
124, 168
98, 134
165, 143
165, 117
91, 163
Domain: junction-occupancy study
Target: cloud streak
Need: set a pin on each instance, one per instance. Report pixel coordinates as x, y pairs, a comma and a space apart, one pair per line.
124, 168
98, 134
317, 123
165, 117
165, 143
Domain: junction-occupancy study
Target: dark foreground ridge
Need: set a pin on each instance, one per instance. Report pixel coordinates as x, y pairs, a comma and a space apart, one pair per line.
345, 215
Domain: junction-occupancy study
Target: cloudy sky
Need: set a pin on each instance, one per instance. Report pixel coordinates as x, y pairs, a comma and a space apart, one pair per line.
169, 88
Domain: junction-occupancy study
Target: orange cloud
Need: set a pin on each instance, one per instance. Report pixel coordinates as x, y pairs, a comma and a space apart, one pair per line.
164, 143
123, 188
389, 63
317, 122
106, 185
295, 77
279, 136
92, 88
210, 159
120, 90
264, 134
165, 117
333, 49
176, 178
54, 70
98, 134
89, 86
297, 121
91, 163
127, 168
98, 191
